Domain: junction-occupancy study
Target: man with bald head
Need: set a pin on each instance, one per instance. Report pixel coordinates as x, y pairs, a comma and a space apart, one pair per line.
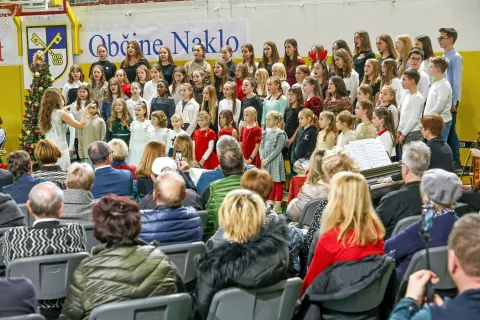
45, 203
170, 222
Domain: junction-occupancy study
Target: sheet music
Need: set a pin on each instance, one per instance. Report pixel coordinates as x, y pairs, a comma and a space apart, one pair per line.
368, 153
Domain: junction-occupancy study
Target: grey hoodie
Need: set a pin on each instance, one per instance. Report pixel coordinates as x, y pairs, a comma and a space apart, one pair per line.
10, 213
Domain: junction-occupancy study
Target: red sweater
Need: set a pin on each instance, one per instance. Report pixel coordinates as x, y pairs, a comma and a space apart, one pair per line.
240, 93
329, 251
314, 104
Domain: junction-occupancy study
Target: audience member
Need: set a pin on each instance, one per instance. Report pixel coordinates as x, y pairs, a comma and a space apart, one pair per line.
464, 268
231, 164
77, 199
169, 222
406, 201
152, 151
119, 154
314, 187
351, 230
48, 153
20, 166
17, 297
431, 126
441, 189
6, 178
107, 179
255, 255
10, 213
122, 267
163, 164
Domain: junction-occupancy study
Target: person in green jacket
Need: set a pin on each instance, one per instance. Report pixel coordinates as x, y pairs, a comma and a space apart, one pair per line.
122, 267
118, 126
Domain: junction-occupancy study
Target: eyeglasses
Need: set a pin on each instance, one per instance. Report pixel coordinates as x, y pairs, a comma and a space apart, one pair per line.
442, 38
415, 59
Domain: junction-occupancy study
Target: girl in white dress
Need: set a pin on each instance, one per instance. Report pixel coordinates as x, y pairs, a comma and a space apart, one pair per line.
135, 99
140, 134
53, 121
159, 130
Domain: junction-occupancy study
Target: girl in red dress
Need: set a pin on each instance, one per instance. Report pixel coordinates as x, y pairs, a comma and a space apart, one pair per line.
250, 137
204, 141
241, 72
226, 123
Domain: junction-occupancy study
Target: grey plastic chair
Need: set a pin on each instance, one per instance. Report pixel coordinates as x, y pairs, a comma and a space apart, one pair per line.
91, 240
403, 223
438, 264
29, 219
308, 212
172, 307
49, 274
275, 302
365, 300
204, 217
33, 316
182, 256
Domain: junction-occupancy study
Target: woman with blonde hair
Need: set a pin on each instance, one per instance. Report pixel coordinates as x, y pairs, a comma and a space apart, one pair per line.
351, 230
152, 151
261, 77
403, 44
314, 187
254, 256
184, 144
119, 154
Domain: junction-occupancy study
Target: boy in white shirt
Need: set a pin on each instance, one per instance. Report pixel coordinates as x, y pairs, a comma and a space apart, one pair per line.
439, 100
411, 108
415, 58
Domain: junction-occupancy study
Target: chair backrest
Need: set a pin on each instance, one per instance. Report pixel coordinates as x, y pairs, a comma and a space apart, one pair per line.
2, 231
91, 240
49, 274
182, 256
275, 302
29, 219
172, 307
33, 316
308, 212
403, 223
438, 264
204, 217
366, 299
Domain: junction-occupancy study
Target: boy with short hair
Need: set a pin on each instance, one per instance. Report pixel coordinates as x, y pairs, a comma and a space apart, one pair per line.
411, 108
447, 39
415, 59
439, 100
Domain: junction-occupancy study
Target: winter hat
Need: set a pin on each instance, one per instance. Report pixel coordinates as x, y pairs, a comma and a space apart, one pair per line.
162, 163
441, 186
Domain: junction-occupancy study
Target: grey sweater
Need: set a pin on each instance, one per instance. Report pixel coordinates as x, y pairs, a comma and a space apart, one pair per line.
10, 213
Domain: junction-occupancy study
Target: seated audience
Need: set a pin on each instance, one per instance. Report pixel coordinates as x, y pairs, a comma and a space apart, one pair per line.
17, 297
441, 189
6, 178
20, 166
314, 187
406, 201
48, 153
334, 161
77, 199
431, 126
351, 230
107, 179
163, 164
464, 268
231, 164
254, 256
10, 213
122, 267
169, 222
120, 153
152, 151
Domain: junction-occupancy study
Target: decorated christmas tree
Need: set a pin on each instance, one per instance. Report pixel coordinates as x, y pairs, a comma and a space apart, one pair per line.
41, 80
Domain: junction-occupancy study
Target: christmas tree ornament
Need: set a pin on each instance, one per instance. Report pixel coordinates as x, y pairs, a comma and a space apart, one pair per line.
37, 74
39, 58
40, 88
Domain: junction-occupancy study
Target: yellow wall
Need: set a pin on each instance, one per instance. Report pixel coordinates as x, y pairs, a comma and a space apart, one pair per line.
12, 93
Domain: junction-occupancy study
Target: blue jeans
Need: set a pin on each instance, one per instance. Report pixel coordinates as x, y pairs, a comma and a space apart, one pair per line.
446, 130
452, 140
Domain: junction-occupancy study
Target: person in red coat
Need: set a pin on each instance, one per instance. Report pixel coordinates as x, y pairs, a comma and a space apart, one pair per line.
250, 137
350, 231
204, 141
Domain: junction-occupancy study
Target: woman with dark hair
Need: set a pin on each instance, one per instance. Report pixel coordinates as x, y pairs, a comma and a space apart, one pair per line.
363, 51
423, 42
270, 56
337, 45
292, 60
109, 68
165, 60
133, 60
338, 99
199, 63
48, 153
122, 267
20, 166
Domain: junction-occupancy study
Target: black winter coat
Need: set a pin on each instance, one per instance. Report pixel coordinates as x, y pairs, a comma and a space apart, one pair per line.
260, 262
